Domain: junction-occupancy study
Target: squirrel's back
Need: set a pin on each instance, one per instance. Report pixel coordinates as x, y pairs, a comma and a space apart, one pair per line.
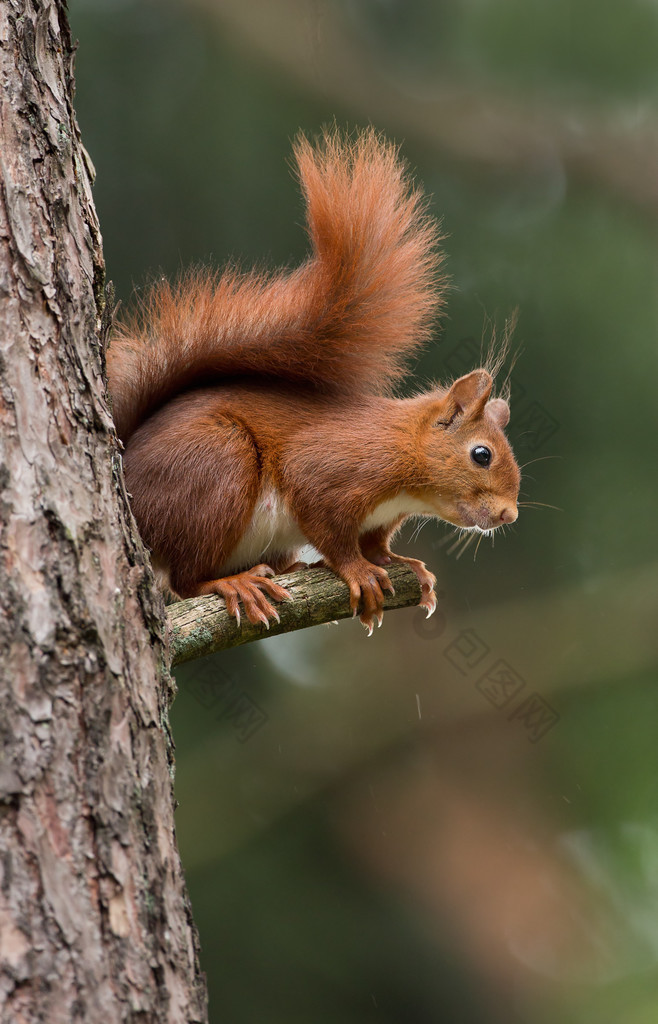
344, 321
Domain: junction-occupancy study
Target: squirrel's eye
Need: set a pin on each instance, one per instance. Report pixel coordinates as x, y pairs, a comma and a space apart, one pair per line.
481, 455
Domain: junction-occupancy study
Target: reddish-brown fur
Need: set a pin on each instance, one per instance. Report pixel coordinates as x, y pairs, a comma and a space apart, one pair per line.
228, 389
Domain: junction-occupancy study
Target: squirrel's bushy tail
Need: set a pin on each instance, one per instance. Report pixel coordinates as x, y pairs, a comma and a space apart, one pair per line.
344, 321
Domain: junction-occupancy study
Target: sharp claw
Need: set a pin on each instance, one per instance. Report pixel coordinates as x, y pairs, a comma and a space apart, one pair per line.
380, 619
276, 616
431, 606
368, 626
262, 617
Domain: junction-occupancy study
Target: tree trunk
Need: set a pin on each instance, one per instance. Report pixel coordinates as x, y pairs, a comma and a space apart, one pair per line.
95, 922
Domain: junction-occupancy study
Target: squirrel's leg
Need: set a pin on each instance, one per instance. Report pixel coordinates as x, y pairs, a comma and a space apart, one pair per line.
320, 564
367, 582
192, 512
327, 520
375, 547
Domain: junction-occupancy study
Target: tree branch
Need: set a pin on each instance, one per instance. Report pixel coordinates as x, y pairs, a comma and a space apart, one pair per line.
202, 625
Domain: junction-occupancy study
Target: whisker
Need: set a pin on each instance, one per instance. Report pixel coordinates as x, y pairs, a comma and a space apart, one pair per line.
457, 541
455, 544
423, 522
541, 458
473, 538
466, 544
457, 548
538, 504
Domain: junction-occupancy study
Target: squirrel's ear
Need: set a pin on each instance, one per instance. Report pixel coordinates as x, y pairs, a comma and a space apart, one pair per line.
466, 398
498, 410
469, 394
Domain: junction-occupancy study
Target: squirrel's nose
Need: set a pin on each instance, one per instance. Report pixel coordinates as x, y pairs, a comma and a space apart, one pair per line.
509, 515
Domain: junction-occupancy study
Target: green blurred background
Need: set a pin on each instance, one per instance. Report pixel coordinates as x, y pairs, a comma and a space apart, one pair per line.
369, 832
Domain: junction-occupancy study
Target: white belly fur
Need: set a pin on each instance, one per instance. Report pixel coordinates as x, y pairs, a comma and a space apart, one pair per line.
403, 504
272, 529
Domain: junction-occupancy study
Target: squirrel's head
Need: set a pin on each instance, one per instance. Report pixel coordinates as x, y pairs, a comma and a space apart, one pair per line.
473, 473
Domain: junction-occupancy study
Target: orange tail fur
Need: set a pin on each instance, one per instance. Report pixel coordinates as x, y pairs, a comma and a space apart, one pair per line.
345, 320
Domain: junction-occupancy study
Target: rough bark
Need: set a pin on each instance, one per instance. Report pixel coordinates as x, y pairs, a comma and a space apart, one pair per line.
94, 918
202, 625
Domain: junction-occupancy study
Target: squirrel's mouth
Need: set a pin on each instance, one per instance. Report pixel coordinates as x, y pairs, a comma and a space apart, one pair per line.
481, 517
475, 518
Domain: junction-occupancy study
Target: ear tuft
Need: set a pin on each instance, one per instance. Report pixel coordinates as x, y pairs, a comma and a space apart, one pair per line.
498, 410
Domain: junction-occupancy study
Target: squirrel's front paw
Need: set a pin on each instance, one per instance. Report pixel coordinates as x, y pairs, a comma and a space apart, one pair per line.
427, 580
367, 584
248, 587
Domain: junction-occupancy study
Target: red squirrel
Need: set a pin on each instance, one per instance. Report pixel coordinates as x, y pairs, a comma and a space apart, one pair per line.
257, 410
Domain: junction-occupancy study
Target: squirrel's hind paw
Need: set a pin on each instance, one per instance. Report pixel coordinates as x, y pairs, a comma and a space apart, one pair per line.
248, 588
